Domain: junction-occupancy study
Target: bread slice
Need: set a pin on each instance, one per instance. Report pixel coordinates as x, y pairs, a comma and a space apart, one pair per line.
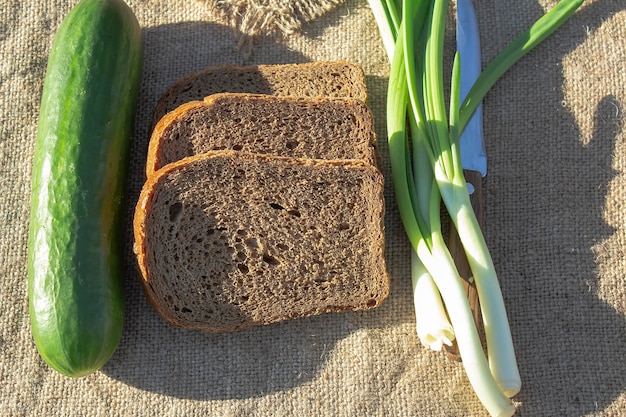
228, 240
315, 79
316, 128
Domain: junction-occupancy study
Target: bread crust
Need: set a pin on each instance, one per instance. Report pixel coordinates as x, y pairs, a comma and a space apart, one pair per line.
161, 126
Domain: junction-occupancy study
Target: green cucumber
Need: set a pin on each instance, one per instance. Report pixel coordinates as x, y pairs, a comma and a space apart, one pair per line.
86, 121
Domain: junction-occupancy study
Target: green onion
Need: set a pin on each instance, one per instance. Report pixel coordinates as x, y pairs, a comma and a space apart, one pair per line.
414, 42
432, 324
429, 244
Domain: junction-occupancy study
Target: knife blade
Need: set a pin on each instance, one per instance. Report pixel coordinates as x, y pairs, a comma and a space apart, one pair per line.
473, 155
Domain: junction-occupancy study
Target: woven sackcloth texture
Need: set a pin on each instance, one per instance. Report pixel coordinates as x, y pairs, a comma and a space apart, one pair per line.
264, 17
555, 220
251, 18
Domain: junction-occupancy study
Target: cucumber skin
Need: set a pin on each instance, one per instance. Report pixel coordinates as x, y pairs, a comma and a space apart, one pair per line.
86, 121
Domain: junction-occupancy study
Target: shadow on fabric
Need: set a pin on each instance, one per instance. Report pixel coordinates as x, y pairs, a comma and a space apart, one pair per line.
548, 202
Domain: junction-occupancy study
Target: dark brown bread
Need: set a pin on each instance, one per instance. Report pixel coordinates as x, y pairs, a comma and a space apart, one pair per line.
228, 240
316, 128
315, 79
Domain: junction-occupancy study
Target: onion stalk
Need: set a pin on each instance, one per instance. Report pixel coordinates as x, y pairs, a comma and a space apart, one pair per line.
413, 38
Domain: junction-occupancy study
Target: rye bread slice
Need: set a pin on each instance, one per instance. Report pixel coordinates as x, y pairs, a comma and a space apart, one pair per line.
316, 128
228, 240
315, 79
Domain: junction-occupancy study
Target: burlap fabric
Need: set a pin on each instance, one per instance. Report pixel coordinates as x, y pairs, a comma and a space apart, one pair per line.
555, 221
266, 17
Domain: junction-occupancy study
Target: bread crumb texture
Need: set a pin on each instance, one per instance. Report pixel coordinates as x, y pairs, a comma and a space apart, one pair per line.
313, 79
317, 128
233, 239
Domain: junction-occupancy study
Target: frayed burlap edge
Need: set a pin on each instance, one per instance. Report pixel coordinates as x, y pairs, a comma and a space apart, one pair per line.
266, 17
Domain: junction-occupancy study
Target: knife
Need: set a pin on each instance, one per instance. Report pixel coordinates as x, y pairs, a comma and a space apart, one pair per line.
473, 155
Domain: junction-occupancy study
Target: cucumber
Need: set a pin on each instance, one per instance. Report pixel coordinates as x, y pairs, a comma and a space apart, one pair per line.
86, 120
